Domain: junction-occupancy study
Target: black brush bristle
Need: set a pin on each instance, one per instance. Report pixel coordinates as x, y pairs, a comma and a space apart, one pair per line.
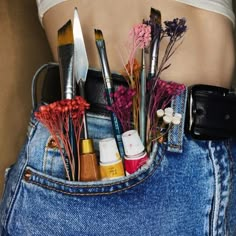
155, 15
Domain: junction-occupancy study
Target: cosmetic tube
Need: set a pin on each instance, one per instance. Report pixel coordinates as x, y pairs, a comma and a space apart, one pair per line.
135, 154
111, 165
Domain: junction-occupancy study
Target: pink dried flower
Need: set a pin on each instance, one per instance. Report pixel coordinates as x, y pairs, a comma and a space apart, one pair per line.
141, 36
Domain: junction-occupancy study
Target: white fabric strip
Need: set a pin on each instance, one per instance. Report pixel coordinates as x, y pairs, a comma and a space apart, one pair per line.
44, 5
223, 7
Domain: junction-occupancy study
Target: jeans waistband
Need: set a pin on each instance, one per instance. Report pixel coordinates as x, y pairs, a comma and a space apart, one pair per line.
215, 100
51, 92
209, 113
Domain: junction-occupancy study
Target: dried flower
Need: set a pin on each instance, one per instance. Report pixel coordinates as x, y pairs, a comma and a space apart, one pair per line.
122, 105
149, 35
162, 92
139, 38
55, 117
162, 95
175, 29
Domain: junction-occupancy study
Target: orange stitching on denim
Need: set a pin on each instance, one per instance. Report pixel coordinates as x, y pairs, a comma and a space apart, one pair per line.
99, 186
89, 186
94, 193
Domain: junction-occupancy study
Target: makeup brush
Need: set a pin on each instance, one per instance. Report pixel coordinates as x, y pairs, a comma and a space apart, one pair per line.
155, 18
65, 56
109, 89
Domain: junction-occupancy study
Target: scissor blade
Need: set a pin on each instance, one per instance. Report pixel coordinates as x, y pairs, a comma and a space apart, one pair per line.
81, 64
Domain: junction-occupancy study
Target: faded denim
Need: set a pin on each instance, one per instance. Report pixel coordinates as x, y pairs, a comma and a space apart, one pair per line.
188, 192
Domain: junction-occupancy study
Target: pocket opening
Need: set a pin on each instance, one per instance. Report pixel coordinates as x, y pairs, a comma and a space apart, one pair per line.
101, 187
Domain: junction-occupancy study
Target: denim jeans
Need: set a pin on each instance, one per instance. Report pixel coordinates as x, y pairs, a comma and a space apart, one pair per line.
188, 187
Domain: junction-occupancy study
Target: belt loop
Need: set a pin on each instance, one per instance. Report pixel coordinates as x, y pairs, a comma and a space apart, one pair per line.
35, 80
175, 135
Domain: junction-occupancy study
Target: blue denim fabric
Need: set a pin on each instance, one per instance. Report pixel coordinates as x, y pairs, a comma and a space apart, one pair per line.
189, 193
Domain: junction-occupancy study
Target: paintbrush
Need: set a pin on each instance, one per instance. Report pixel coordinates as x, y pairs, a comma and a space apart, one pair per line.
155, 18
109, 89
65, 56
155, 22
142, 110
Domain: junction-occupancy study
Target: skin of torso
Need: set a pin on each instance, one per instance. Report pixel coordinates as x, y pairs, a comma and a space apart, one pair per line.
206, 55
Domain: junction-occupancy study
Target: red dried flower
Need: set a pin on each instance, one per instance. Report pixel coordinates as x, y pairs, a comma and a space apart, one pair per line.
56, 116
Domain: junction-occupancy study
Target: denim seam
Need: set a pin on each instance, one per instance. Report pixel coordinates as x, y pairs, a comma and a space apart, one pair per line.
211, 220
210, 206
102, 184
97, 186
220, 199
14, 195
10, 206
231, 168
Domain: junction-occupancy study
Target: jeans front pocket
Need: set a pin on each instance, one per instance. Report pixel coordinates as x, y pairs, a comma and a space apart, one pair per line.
169, 195
46, 205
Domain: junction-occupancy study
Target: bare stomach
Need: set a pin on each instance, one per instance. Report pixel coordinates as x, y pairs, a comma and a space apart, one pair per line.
206, 55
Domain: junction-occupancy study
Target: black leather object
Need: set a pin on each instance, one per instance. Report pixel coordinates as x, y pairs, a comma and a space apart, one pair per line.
94, 89
213, 112
213, 109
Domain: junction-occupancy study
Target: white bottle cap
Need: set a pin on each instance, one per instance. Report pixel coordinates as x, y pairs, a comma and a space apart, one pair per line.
108, 150
132, 143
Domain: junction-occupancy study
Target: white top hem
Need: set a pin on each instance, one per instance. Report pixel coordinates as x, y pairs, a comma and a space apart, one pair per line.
213, 6
223, 7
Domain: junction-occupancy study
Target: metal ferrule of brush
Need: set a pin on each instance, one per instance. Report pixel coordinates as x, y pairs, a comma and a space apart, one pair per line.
67, 80
142, 121
105, 67
154, 59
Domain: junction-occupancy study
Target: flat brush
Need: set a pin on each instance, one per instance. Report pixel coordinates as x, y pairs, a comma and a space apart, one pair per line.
155, 18
65, 54
109, 89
